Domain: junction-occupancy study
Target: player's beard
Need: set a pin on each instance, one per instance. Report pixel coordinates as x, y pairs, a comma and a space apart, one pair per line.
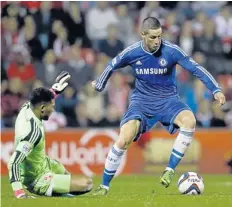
152, 48
45, 117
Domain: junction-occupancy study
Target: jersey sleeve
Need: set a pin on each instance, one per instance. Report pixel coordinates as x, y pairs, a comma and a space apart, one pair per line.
120, 61
196, 69
24, 147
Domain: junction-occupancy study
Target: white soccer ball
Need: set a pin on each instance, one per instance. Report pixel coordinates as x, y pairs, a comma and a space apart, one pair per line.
191, 183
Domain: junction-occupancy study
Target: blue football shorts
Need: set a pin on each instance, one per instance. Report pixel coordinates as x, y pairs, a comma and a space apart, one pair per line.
149, 113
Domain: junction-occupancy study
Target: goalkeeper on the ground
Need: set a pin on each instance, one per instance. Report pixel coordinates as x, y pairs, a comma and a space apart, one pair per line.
29, 167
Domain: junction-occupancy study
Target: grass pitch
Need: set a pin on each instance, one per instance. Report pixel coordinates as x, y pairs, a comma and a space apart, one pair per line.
135, 190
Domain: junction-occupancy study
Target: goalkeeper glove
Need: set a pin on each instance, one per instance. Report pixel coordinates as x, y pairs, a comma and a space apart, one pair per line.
61, 82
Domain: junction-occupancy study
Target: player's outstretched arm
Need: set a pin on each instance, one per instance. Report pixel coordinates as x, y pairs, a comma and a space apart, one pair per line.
119, 61
200, 72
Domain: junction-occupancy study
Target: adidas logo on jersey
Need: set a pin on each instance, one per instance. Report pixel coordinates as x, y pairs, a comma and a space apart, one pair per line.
138, 62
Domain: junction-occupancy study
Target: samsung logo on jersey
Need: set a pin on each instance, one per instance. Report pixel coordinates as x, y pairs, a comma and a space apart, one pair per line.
148, 71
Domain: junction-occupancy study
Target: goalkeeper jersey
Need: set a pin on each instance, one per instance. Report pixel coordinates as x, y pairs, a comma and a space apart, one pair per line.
29, 160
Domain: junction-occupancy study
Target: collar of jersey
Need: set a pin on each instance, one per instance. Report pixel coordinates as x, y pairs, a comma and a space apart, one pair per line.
150, 53
31, 114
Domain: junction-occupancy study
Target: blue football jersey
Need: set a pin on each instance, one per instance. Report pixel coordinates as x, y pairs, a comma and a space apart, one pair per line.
156, 72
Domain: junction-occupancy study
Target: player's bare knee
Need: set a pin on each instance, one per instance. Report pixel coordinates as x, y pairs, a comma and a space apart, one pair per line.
185, 119
123, 142
189, 122
127, 133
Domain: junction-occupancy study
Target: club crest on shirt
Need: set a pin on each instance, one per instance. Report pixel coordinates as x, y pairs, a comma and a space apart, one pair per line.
163, 62
26, 148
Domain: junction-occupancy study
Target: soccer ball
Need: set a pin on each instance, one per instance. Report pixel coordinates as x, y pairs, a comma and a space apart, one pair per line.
191, 183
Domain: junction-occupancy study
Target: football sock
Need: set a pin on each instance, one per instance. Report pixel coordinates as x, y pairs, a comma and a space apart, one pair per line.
112, 163
181, 144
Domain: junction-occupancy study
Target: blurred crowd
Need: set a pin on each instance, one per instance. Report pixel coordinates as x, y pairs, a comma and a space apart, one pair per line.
40, 39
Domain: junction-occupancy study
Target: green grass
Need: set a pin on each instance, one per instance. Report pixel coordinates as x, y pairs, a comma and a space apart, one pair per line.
135, 190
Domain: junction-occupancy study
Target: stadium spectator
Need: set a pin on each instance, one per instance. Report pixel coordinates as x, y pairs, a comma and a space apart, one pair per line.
21, 69
223, 22
95, 112
184, 11
152, 8
11, 101
186, 38
99, 67
61, 43
36, 84
210, 44
66, 104
117, 93
204, 114
81, 115
125, 30
97, 21
75, 23
44, 17
56, 26
28, 38
171, 26
112, 117
10, 36
76, 66
218, 119
16, 10
46, 71
198, 23
209, 8
112, 45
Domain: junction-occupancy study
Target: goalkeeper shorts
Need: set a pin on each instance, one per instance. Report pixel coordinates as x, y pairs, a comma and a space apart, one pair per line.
55, 181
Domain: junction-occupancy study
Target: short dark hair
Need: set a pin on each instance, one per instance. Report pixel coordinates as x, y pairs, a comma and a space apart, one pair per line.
150, 23
40, 95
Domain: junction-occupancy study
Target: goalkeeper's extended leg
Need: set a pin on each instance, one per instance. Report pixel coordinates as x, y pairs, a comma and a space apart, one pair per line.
186, 121
127, 133
80, 185
76, 185
62, 185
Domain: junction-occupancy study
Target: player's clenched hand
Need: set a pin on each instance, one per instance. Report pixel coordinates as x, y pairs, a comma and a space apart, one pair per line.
93, 84
61, 82
220, 98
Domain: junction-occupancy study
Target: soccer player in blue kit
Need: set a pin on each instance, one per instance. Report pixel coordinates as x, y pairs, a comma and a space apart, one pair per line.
155, 98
